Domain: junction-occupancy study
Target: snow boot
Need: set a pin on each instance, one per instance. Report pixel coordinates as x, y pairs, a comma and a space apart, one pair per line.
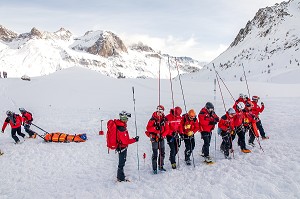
251, 144
207, 159
265, 137
154, 171
188, 162
174, 166
162, 169
246, 151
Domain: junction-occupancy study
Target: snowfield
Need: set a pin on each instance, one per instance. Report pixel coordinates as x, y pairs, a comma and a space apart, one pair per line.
75, 100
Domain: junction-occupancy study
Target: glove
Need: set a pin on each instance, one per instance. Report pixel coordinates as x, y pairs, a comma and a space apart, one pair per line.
188, 126
216, 119
232, 132
212, 123
262, 103
157, 128
137, 138
190, 133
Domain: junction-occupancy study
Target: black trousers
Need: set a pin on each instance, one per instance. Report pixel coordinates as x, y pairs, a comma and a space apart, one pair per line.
226, 142
206, 136
189, 142
261, 129
251, 134
28, 130
160, 145
240, 131
122, 160
173, 143
18, 131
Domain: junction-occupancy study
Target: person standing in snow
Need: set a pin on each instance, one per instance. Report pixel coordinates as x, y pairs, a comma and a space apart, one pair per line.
238, 121
226, 125
250, 123
123, 141
175, 129
190, 126
27, 119
207, 121
256, 110
15, 121
157, 128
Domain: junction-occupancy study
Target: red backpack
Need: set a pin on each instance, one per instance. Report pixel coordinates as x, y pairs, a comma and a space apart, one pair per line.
111, 136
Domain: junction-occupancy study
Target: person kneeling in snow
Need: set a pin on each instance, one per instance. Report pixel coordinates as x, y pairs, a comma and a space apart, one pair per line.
27, 119
15, 121
123, 141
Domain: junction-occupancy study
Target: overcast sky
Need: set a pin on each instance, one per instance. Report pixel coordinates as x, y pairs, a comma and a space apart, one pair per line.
200, 29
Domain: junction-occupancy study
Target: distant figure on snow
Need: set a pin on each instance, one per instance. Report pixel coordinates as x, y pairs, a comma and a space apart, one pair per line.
4, 74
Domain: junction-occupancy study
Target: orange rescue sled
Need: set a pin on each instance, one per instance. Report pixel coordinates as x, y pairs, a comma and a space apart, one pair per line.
63, 137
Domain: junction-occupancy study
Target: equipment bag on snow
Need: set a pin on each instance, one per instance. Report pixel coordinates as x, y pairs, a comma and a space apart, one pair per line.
63, 137
111, 135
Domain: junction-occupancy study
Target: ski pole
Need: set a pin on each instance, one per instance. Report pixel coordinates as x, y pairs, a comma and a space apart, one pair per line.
179, 76
101, 132
215, 99
259, 144
39, 128
192, 151
246, 81
137, 145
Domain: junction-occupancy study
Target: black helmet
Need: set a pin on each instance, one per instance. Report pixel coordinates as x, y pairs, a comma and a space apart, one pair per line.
209, 105
22, 110
9, 113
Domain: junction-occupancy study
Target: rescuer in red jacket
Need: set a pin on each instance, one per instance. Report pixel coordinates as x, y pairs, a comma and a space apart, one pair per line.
250, 123
239, 127
190, 126
226, 125
207, 121
15, 122
256, 110
175, 129
123, 140
157, 129
26, 120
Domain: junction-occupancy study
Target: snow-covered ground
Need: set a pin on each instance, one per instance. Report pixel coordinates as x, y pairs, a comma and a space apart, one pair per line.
75, 100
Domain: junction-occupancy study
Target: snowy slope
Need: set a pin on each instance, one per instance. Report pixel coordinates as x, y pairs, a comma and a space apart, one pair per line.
269, 44
76, 99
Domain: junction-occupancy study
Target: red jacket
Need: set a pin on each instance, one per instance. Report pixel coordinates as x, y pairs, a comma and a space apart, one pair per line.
157, 125
238, 119
122, 134
256, 109
186, 121
250, 120
226, 123
27, 117
174, 123
14, 122
205, 118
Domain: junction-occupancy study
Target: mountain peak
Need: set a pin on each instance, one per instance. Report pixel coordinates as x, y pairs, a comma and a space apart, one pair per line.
7, 35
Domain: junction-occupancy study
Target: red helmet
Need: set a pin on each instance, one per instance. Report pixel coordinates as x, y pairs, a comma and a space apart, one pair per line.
255, 97
160, 108
177, 111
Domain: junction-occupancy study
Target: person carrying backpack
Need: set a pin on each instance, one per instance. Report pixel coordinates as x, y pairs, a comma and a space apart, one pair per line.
226, 125
157, 129
207, 121
175, 129
117, 130
27, 119
15, 121
190, 126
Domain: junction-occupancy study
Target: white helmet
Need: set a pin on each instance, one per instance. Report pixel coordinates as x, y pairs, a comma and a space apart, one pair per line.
231, 111
240, 105
241, 95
